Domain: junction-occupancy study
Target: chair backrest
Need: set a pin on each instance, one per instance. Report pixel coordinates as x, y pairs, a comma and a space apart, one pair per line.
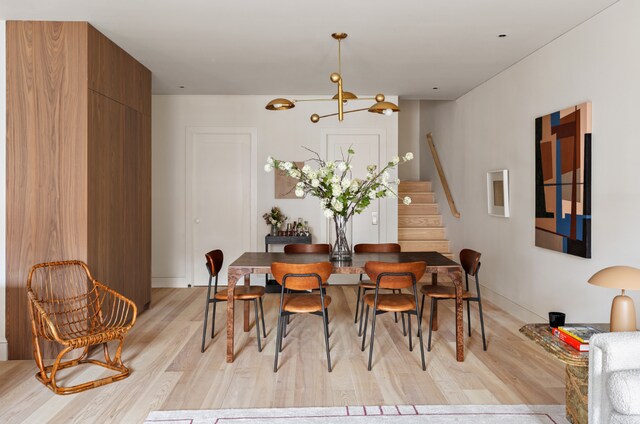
214, 261
301, 276
377, 248
66, 292
470, 261
375, 269
308, 248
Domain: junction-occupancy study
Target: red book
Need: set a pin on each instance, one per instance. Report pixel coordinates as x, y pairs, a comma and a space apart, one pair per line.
582, 347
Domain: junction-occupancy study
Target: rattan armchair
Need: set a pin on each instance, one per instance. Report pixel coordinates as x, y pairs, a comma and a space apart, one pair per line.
69, 307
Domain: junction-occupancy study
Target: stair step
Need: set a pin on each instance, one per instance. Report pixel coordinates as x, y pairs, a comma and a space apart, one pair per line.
417, 197
414, 186
418, 209
433, 233
424, 246
419, 221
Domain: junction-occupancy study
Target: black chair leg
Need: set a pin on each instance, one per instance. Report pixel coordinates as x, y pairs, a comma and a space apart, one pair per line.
364, 334
361, 313
433, 302
421, 314
325, 318
373, 335
283, 327
206, 315
278, 343
409, 327
484, 341
264, 328
469, 316
213, 319
257, 321
424, 364
355, 319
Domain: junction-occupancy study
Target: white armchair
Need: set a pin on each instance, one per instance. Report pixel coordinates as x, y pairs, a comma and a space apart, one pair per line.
614, 378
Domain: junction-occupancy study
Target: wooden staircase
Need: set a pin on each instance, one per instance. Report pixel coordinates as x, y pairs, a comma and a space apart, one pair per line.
420, 223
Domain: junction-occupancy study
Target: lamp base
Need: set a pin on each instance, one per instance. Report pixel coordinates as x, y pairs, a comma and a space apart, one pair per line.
623, 314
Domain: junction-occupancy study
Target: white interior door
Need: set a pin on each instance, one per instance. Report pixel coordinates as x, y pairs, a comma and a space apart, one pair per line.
221, 199
364, 228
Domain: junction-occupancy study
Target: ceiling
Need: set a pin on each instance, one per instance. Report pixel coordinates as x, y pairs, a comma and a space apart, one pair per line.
403, 48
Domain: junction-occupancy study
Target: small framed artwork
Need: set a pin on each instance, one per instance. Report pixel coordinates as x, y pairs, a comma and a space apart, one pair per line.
498, 192
284, 185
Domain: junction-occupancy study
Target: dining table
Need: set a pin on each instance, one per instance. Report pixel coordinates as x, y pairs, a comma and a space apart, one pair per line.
260, 263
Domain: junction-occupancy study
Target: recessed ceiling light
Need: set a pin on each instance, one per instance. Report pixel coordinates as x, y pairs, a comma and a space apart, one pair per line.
435, 88
502, 35
182, 86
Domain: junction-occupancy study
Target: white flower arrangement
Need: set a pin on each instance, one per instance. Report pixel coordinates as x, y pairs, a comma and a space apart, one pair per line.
332, 182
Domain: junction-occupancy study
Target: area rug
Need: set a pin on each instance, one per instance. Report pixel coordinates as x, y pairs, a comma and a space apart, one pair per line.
403, 414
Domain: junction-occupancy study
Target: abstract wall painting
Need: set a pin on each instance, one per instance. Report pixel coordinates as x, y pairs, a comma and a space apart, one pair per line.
563, 181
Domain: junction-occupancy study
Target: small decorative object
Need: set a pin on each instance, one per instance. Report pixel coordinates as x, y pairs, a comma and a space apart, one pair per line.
556, 319
283, 185
341, 196
498, 193
623, 311
563, 181
275, 218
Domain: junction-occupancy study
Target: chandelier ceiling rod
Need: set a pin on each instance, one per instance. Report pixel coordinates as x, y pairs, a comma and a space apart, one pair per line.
342, 97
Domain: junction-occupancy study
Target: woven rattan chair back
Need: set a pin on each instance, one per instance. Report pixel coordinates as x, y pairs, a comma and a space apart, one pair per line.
69, 307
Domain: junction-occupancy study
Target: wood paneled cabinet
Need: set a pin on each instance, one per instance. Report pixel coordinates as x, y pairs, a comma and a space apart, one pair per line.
78, 162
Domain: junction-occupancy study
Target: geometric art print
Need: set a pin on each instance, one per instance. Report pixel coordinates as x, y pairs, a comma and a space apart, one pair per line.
563, 181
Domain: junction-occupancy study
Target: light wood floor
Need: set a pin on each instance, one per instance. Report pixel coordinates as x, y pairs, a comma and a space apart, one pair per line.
169, 372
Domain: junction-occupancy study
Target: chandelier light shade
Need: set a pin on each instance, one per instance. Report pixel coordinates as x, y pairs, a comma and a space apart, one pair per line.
342, 97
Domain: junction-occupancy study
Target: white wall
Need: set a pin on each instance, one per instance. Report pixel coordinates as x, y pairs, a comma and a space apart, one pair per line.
409, 139
280, 134
493, 127
3, 197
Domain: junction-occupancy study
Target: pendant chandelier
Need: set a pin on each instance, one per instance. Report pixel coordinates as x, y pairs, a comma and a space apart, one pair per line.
342, 97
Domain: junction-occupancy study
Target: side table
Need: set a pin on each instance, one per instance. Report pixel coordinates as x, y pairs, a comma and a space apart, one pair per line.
270, 285
577, 367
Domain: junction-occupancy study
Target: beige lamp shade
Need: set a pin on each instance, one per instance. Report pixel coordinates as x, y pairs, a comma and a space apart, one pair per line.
280, 104
617, 277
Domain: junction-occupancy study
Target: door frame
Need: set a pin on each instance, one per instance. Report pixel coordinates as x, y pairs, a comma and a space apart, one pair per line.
189, 171
325, 226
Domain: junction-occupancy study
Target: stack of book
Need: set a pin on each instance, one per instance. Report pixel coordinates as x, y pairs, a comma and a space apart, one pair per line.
577, 336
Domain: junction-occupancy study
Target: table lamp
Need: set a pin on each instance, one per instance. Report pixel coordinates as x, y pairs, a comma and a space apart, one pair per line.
623, 312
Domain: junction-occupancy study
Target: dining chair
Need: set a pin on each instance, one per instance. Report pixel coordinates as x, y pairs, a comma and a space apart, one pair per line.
364, 285
308, 248
470, 261
393, 276
302, 277
245, 293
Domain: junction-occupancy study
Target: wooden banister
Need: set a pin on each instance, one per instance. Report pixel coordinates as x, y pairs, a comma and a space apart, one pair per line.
443, 179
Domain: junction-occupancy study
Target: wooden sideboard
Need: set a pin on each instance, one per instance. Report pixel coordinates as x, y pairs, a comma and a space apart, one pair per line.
78, 162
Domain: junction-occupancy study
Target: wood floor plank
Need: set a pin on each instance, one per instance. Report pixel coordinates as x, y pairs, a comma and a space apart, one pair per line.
170, 372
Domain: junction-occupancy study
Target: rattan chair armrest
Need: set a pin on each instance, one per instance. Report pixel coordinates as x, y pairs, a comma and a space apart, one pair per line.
117, 295
38, 309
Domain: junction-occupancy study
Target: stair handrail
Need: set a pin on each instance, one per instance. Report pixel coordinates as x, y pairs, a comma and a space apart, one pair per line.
443, 178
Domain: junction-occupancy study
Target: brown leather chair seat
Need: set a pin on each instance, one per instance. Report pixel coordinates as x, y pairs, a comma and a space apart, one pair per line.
304, 303
242, 293
443, 292
391, 302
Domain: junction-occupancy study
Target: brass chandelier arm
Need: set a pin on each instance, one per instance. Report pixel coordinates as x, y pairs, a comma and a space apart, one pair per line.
331, 100
346, 111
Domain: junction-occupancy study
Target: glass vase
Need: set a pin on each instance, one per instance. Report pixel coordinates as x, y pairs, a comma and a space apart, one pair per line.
341, 249
274, 230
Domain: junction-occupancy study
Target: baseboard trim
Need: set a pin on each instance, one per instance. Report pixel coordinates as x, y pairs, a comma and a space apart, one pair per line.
4, 350
508, 305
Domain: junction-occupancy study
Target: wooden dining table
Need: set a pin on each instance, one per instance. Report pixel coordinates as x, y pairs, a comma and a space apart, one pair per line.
260, 263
